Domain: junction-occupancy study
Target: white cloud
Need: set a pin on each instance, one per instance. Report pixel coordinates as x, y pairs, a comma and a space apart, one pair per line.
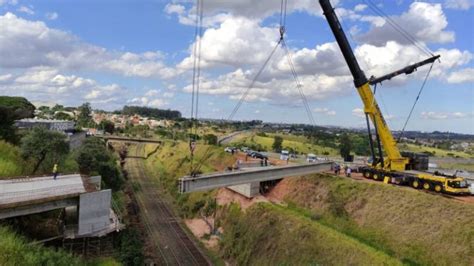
426, 22
145, 101
27, 44
216, 11
152, 93
360, 7
168, 95
43, 83
461, 76
459, 4
237, 42
359, 112
5, 77
281, 91
8, 2
324, 111
27, 10
444, 115
52, 15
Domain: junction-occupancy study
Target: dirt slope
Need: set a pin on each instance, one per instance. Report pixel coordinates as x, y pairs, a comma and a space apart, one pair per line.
415, 227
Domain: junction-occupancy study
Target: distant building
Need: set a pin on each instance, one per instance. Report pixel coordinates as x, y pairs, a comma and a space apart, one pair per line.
56, 125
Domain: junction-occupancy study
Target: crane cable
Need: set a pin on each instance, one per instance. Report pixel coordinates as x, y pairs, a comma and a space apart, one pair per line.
281, 41
398, 28
196, 80
416, 101
195, 170
299, 86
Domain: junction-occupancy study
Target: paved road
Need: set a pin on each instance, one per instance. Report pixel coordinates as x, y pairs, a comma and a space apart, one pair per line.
172, 243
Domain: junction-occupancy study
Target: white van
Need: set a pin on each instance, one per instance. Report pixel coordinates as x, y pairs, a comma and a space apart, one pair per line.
284, 155
311, 158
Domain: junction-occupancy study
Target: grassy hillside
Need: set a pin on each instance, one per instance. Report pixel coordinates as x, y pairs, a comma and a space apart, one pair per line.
16, 251
172, 161
300, 144
415, 227
271, 235
11, 163
435, 151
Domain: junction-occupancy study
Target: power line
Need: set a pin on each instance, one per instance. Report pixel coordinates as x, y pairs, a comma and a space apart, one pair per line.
398, 28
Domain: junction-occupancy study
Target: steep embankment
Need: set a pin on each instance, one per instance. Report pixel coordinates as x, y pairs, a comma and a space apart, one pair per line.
172, 160
11, 163
272, 235
14, 250
411, 225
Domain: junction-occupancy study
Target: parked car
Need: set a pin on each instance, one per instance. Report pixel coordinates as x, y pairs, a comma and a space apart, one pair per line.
284, 155
259, 155
230, 149
311, 158
244, 149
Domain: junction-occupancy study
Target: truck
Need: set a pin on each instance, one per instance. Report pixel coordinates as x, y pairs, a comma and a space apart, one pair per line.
394, 167
284, 155
311, 158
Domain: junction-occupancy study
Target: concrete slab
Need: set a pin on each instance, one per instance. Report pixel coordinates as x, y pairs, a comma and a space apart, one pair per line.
30, 189
226, 179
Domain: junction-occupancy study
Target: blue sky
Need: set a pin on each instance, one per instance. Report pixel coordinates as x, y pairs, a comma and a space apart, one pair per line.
112, 53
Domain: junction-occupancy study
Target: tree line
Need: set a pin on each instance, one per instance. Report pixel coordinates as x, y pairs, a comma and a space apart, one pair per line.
151, 112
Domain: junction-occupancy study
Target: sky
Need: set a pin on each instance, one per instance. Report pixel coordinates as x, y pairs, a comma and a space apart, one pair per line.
124, 52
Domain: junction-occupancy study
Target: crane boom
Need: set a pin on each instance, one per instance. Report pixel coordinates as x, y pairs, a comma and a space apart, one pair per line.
398, 169
371, 108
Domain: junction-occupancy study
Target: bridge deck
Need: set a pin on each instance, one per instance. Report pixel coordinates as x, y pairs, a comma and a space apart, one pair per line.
216, 180
17, 192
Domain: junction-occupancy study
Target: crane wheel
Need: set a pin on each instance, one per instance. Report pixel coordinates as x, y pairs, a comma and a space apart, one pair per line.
377, 176
415, 184
367, 174
438, 188
427, 186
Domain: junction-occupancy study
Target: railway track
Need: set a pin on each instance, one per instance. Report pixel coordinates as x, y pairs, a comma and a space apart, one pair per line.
172, 242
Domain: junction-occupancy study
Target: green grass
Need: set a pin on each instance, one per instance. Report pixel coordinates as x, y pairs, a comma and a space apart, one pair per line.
173, 160
415, 227
437, 152
298, 143
11, 163
270, 235
16, 251
457, 166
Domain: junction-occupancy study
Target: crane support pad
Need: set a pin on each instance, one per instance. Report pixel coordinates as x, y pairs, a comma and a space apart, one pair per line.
217, 180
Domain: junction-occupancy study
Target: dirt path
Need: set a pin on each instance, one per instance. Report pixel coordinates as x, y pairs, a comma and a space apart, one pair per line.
172, 244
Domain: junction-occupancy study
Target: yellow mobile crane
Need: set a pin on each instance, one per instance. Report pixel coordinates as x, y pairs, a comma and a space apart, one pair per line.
397, 168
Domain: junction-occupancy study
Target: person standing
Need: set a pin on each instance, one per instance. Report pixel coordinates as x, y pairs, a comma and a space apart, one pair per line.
55, 171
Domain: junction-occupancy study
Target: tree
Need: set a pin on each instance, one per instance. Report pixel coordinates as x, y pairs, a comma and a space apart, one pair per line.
57, 107
11, 109
42, 145
210, 139
62, 116
93, 156
7, 125
277, 143
21, 107
345, 145
107, 126
84, 117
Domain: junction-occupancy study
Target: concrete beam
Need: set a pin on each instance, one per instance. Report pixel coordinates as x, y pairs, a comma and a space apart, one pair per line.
130, 140
38, 208
217, 180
